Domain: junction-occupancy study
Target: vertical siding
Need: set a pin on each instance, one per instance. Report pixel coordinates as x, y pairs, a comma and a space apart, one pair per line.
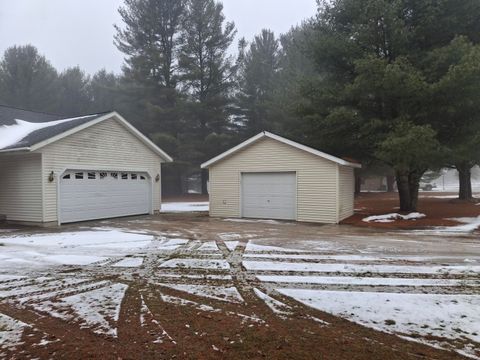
316, 180
104, 146
21, 187
346, 192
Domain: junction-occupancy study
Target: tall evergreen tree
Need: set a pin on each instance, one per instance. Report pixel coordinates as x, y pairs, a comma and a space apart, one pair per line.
104, 91
27, 79
73, 92
150, 41
207, 74
373, 85
258, 71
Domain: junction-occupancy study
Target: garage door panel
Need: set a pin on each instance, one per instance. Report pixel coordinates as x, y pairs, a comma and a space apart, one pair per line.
269, 195
104, 195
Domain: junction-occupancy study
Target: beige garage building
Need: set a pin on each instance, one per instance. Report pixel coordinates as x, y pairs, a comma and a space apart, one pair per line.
55, 170
270, 177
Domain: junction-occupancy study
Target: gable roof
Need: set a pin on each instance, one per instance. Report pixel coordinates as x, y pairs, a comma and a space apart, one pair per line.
48, 128
294, 144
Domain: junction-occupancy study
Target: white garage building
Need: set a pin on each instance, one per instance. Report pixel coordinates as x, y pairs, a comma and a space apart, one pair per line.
55, 170
270, 177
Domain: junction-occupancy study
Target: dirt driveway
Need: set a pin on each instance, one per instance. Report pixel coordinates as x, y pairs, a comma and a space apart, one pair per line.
189, 287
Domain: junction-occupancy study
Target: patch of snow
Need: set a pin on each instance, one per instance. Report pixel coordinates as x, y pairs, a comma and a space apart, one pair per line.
147, 319
364, 281
196, 264
99, 308
411, 315
228, 294
7, 277
471, 224
208, 247
276, 306
354, 268
172, 244
11, 331
184, 302
190, 276
231, 245
39, 285
68, 248
177, 207
11, 134
129, 262
74, 259
394, 216
363, 258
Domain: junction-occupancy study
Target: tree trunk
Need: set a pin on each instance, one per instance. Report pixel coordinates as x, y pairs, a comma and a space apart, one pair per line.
414, 186
358, 184
204, 181
408, 186
465, 181
403, 191
390, 183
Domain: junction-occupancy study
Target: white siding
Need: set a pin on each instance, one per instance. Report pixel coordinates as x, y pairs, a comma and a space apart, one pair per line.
346, 192
104, 146
21, 187
316, 179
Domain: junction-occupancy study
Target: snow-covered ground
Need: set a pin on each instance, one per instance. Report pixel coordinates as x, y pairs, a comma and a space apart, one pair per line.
178, 207
422, 287
67, 248
394, 216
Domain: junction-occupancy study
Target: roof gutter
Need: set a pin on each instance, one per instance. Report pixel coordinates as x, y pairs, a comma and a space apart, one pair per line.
23, 149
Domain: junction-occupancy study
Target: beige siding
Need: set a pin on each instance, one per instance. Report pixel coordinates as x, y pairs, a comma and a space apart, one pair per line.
21, 187
316, 180
346, 192
104, 146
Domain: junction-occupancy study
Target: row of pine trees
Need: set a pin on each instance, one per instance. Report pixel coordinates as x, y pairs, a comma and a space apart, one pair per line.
393, 84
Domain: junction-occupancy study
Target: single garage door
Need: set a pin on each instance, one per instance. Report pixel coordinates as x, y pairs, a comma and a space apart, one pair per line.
269, 195
89, 195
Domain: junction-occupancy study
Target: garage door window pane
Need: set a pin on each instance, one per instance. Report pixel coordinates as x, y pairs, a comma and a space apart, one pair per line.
142, 177
92, 176
79, 175
134, 176
66, 176
114, 175
124, 176
103, 175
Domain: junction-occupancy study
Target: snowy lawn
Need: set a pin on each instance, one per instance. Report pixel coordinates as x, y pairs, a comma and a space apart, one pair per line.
177, 207
410, 315
68, 248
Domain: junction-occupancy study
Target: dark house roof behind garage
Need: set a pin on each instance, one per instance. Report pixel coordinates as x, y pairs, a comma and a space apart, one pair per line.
9, 115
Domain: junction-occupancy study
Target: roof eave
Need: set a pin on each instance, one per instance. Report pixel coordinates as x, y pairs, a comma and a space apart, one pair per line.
284, 141
107, 116
15, 150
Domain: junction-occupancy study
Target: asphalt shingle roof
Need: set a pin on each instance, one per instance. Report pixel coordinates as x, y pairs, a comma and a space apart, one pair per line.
8, 115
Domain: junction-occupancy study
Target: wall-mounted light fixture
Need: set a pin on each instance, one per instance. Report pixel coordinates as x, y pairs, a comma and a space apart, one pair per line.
157, 178
51, 177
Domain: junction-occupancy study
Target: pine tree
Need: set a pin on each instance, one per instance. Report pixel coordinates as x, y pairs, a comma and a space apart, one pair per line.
27, 79
207, 74
73, 92
259, 67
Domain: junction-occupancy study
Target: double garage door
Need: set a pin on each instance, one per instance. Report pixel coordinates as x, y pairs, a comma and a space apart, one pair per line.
269, 195
89, 195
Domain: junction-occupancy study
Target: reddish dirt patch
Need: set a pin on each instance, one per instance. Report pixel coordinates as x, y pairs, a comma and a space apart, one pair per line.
185, 198
438, 210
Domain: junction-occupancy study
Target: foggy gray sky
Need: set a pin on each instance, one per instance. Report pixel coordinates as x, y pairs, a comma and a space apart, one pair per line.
80, 32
